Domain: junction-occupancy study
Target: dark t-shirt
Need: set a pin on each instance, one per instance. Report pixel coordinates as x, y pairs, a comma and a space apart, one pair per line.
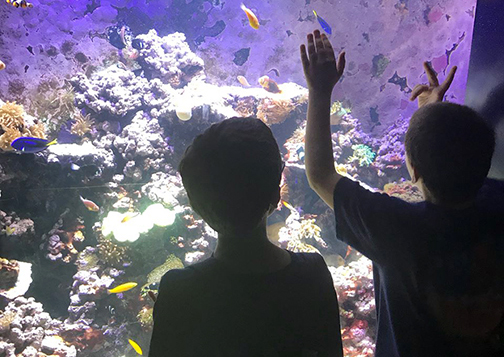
438, 273
206, 310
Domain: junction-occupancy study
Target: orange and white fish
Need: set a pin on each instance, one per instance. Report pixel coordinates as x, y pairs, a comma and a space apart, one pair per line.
253, 21
20, 3
90, 205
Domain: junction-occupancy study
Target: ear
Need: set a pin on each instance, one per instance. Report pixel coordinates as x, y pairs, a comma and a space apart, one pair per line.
414, 175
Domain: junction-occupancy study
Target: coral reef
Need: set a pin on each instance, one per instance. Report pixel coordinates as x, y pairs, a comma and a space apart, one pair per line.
9, 271
15, 123
59, 242
363, 154
274, 111
405, 190
113, 90
27, 330
82, 124
169, 58
354, 286
143, 147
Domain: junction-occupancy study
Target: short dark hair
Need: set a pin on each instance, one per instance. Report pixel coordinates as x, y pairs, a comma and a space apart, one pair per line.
451, 147
231, 173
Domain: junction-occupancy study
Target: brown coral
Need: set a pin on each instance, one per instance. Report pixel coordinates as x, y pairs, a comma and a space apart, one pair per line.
274, 111
11, 116
82, 124
36, 131
12, 125
245, 107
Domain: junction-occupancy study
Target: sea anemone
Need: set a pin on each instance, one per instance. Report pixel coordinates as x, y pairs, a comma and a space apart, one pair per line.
363, 154
274, 111
82, 124
11, 116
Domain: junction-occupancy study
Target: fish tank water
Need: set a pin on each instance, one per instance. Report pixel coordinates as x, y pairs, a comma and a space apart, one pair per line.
90, 222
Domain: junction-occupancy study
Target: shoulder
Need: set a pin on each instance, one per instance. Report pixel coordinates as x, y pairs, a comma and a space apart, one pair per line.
186, 276
309, 261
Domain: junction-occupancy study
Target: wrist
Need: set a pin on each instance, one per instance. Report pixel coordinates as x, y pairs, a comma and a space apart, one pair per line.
320, 92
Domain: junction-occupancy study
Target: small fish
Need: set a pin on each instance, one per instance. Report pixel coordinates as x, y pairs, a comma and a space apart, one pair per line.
274, 70
78, 235
2, 65
253, 21
135, 346
348, 251
288, 205
301, 154
90, 205
128, 216
9, 230
122, 288
325, 26
243, 81
30, 145
269, 84
20, 3
138, 44
75, 167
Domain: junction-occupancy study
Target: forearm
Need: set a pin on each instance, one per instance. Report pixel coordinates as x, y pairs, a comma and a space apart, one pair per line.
319, 160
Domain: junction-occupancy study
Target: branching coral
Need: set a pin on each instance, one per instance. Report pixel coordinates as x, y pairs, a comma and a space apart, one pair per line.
363, 154
82, 124
274, 111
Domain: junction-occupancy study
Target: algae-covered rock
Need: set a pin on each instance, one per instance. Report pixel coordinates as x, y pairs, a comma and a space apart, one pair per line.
172, 262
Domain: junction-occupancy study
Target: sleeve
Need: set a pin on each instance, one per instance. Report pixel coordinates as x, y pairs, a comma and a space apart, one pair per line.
172, 319
373, 223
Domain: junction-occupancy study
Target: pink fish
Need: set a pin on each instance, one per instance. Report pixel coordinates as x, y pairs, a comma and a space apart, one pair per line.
90, 205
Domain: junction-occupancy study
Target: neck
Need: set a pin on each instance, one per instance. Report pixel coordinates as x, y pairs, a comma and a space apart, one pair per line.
250, 251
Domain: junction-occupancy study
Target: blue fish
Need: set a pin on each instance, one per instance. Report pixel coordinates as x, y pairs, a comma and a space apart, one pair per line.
29, 145
325, 26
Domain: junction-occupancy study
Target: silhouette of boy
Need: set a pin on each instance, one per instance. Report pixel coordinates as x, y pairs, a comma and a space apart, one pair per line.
438, 264
251, 298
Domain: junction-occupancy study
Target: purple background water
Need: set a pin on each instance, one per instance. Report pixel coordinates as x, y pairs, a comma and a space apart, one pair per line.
48, 41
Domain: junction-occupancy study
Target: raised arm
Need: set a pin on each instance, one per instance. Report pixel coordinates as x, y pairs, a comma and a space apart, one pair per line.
322, 72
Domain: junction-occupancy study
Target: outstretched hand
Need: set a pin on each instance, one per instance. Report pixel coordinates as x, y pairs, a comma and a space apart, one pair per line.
321, 69
433, 92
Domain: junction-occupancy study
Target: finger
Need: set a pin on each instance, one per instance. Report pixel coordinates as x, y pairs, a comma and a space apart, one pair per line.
340, 65
419, 89
319, 45
304, 56
431, 75
327, 46
448, 81
311, 46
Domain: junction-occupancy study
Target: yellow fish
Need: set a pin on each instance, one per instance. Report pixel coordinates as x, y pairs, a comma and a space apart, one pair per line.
9, 230
122, 288
128, 216
253, 21
135, 346
288, 205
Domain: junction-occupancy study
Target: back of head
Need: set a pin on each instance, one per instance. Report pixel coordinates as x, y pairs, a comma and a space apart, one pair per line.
232, 174
451, 148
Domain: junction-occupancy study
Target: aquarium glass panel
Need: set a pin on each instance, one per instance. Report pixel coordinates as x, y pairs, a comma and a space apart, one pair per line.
99, 100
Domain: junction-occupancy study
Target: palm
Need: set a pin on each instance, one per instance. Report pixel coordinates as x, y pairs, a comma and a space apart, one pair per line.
433, 92
321, 69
